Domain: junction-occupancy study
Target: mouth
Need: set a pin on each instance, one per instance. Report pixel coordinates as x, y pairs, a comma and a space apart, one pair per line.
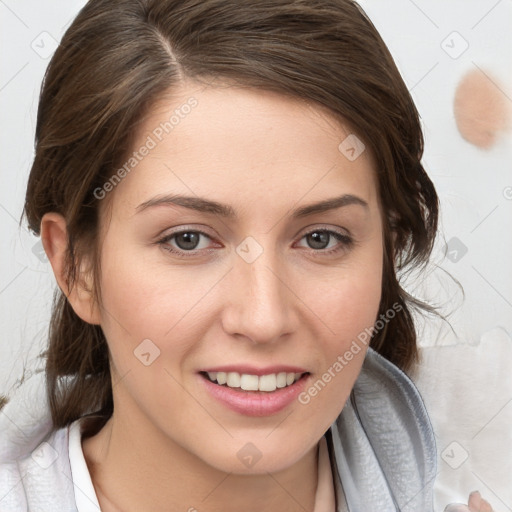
254, 390
254, 395
267, 383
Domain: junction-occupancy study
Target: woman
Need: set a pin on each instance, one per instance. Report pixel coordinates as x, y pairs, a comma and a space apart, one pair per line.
225, 191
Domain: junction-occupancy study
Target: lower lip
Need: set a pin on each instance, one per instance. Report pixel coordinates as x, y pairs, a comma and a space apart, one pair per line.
255, 403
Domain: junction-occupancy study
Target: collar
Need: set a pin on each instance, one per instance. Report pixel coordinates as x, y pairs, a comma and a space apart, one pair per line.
383, 446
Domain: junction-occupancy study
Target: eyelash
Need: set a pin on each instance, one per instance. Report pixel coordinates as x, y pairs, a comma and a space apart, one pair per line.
346, 242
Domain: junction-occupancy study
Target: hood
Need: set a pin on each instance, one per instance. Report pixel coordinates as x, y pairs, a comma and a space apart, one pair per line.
383, 442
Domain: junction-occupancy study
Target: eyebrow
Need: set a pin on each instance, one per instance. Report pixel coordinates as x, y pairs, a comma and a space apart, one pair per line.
207, 206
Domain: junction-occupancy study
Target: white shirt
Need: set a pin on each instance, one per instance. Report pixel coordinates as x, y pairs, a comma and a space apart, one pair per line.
85, 495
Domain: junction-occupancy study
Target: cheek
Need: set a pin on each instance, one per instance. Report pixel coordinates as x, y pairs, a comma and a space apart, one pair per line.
139, 301
348, 312
350, 303
148, 320
144, 299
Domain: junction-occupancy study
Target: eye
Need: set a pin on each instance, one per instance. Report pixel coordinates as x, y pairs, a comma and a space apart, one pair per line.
188, 242
320, 239
185, 241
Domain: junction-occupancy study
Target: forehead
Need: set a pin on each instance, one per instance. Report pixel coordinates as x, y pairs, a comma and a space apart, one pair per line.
243, 146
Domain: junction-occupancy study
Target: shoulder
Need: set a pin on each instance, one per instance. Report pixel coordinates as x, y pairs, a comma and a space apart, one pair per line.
35, 470
383, 442
38, 479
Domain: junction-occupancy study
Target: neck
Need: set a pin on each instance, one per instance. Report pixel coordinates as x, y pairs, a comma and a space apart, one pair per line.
159, 475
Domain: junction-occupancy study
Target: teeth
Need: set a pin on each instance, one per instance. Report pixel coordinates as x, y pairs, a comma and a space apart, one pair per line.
248, 382
268, 383
281, 380
233, 380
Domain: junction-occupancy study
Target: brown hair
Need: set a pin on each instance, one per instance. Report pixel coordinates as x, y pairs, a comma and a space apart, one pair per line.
120, 56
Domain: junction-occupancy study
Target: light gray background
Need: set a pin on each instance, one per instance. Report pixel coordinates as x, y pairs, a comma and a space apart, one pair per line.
460, 369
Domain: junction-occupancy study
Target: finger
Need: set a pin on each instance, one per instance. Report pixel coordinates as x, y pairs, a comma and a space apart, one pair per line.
485, 506
475, 500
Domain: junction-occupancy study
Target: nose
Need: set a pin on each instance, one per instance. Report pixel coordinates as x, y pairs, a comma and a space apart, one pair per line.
260, 304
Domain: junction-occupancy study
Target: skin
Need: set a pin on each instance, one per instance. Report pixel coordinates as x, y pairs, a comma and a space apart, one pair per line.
475, 504
481, 109
265, 155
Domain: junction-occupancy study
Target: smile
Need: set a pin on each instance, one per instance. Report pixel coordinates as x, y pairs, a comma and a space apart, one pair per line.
254, 395
248, 382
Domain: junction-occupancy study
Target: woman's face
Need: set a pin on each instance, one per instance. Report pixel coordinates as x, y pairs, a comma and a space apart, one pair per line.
214, 259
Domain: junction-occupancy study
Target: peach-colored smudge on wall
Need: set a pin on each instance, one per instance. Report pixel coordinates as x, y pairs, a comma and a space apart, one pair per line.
482, 109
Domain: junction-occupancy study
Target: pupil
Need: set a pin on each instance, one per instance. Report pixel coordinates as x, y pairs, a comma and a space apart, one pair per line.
190, 240
319, 237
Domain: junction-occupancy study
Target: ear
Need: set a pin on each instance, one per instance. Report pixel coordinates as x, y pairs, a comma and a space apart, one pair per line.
54, 238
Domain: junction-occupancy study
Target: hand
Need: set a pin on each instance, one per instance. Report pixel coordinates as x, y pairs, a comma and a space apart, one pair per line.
475, 504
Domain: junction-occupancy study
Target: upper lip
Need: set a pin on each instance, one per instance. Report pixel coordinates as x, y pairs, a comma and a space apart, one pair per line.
252, 370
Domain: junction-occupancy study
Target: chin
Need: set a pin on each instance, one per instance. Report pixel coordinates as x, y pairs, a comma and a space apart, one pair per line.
256, 458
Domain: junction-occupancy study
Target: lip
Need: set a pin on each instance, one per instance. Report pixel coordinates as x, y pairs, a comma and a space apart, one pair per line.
252, 370
254, 403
